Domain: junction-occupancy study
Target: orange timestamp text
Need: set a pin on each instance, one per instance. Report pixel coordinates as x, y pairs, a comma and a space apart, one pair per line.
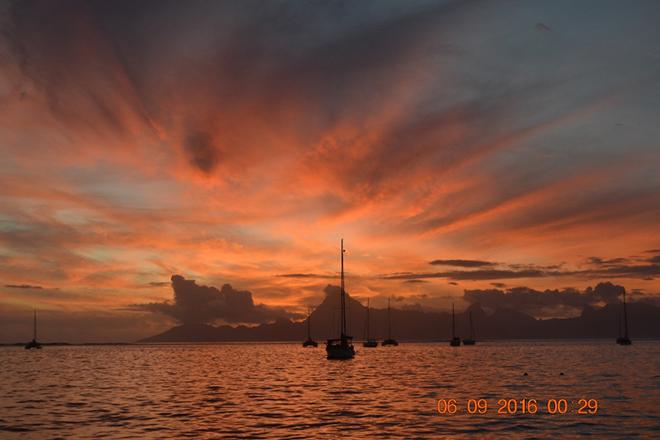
510, 407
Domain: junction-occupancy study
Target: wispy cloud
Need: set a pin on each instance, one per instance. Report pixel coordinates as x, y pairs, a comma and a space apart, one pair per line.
462, 263
22, 286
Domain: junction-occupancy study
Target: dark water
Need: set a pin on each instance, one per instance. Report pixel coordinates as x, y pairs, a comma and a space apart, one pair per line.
285, 391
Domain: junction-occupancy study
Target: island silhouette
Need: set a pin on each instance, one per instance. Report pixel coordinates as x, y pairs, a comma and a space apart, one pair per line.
419, 325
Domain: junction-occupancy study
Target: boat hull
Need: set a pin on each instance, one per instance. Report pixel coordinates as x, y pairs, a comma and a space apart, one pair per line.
390, 342
469, 342
455, 342
310, 343
370, 343
623, 341
339, 349
32, 344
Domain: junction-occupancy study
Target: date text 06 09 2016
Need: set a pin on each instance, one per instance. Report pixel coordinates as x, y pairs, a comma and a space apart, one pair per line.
510, 407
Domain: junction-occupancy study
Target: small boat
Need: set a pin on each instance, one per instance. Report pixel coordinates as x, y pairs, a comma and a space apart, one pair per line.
470, 340
368, 342
389, 341
309, 342
455, 340
33, 343
342, 347
624, 340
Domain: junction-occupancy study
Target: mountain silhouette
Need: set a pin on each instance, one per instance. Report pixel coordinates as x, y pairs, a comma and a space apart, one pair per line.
412, 325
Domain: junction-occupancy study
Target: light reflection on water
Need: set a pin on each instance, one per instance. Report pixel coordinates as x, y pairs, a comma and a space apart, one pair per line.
285, 391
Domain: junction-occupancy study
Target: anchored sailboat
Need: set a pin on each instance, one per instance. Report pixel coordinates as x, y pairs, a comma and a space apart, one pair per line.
624, 340
309, 342
455, 340
368, 341
341, 348
470, 340
33, 343
389, 340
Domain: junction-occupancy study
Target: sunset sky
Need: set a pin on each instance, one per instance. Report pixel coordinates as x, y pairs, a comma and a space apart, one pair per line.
453, 145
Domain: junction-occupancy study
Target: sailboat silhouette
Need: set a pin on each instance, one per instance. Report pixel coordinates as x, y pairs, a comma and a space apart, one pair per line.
624, 340
342, 347
309, 342
455, 340
389, 341
33, 343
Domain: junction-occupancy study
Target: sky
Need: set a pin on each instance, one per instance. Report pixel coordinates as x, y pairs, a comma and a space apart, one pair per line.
456, 146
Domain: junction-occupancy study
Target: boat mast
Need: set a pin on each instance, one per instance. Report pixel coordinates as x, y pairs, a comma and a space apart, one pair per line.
343, 294
309, 317
35, 324
453, 324
625, 316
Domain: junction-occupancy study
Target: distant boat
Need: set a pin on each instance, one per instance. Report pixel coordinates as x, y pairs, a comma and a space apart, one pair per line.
342, 347
389, 340
309, 342
368, 342
33, 343
624, 340
455, 340
470, 340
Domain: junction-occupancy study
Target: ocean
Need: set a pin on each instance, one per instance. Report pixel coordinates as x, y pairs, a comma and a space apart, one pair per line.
257, 391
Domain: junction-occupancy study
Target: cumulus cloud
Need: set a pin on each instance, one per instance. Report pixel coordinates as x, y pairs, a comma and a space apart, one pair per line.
197, 304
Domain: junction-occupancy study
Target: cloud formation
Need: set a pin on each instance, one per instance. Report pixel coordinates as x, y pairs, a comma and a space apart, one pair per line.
600, 268
237, 140
550, 302
195, 304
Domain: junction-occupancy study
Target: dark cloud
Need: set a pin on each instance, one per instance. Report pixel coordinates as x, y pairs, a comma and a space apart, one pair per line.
547, 302
195, 304
202, 151
542, 27
462, 263
610, 268
471, 275
415, 281
606, 262
498, 285
22, 286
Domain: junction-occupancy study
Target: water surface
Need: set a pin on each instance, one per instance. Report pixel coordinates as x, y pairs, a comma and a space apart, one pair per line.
285, 391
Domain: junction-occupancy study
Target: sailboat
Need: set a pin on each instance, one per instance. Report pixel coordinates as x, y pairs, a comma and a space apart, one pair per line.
33, 343
368, 341
470, 340
624, 340
342, 347
389, 340
455, 340
309, 342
